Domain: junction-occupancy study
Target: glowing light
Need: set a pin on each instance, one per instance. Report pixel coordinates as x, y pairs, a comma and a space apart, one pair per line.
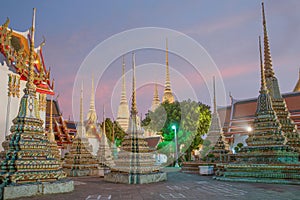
249, 129
173, 127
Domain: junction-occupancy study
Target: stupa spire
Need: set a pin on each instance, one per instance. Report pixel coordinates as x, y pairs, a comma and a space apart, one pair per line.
155, 101
262, 72
123, 110
133, 111
168, 96
81, 104
30, 85
215, 100
92, 115
123, 94
264, 102
269, 72
103, 129
80, 127
215, 133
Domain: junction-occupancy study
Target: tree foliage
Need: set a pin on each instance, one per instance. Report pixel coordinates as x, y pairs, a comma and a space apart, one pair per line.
191, 118
114, 129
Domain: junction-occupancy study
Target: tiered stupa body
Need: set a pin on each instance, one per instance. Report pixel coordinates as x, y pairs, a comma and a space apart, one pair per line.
92, 131
266, 158
279, 105
28, 158
104, 154
215, 133
80, 161
135, 163
123, 110
168, 95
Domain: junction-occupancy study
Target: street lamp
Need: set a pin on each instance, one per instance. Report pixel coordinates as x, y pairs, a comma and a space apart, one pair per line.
176, 146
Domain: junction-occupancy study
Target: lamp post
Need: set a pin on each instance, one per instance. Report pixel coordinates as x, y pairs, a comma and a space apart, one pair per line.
176, 146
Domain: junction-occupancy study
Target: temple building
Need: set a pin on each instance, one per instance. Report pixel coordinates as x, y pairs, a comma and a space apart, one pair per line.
14, 57
168, 95
29, 167
238, 118
135, 163
123, 110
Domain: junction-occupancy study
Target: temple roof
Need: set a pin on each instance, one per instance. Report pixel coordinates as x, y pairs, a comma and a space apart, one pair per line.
56, 110
14, 45
246, 108
153, 141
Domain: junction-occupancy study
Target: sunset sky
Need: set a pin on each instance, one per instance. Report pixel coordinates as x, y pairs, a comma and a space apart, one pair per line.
227, 29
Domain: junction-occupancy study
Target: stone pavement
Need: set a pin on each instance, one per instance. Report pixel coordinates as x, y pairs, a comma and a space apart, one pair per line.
179, 186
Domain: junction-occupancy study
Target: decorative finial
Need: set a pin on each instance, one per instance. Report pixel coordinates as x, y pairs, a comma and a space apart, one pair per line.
133, 101
167, 56
30, 87
168, 96
215, 101
167, 66
43, 42
263, 80
5, 25
269, 72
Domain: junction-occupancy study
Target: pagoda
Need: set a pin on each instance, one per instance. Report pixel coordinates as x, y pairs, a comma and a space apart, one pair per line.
92, 131
168, 95
29, 167
135, 163
155, 101
123, 110
267, 158
104, 154
215, 133
51, 137
80, 161
279, 105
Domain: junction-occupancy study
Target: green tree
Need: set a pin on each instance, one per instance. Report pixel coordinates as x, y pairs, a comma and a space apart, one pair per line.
191, 118
114, 129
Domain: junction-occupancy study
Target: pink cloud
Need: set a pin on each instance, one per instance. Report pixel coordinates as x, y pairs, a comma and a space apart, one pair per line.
238, 70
